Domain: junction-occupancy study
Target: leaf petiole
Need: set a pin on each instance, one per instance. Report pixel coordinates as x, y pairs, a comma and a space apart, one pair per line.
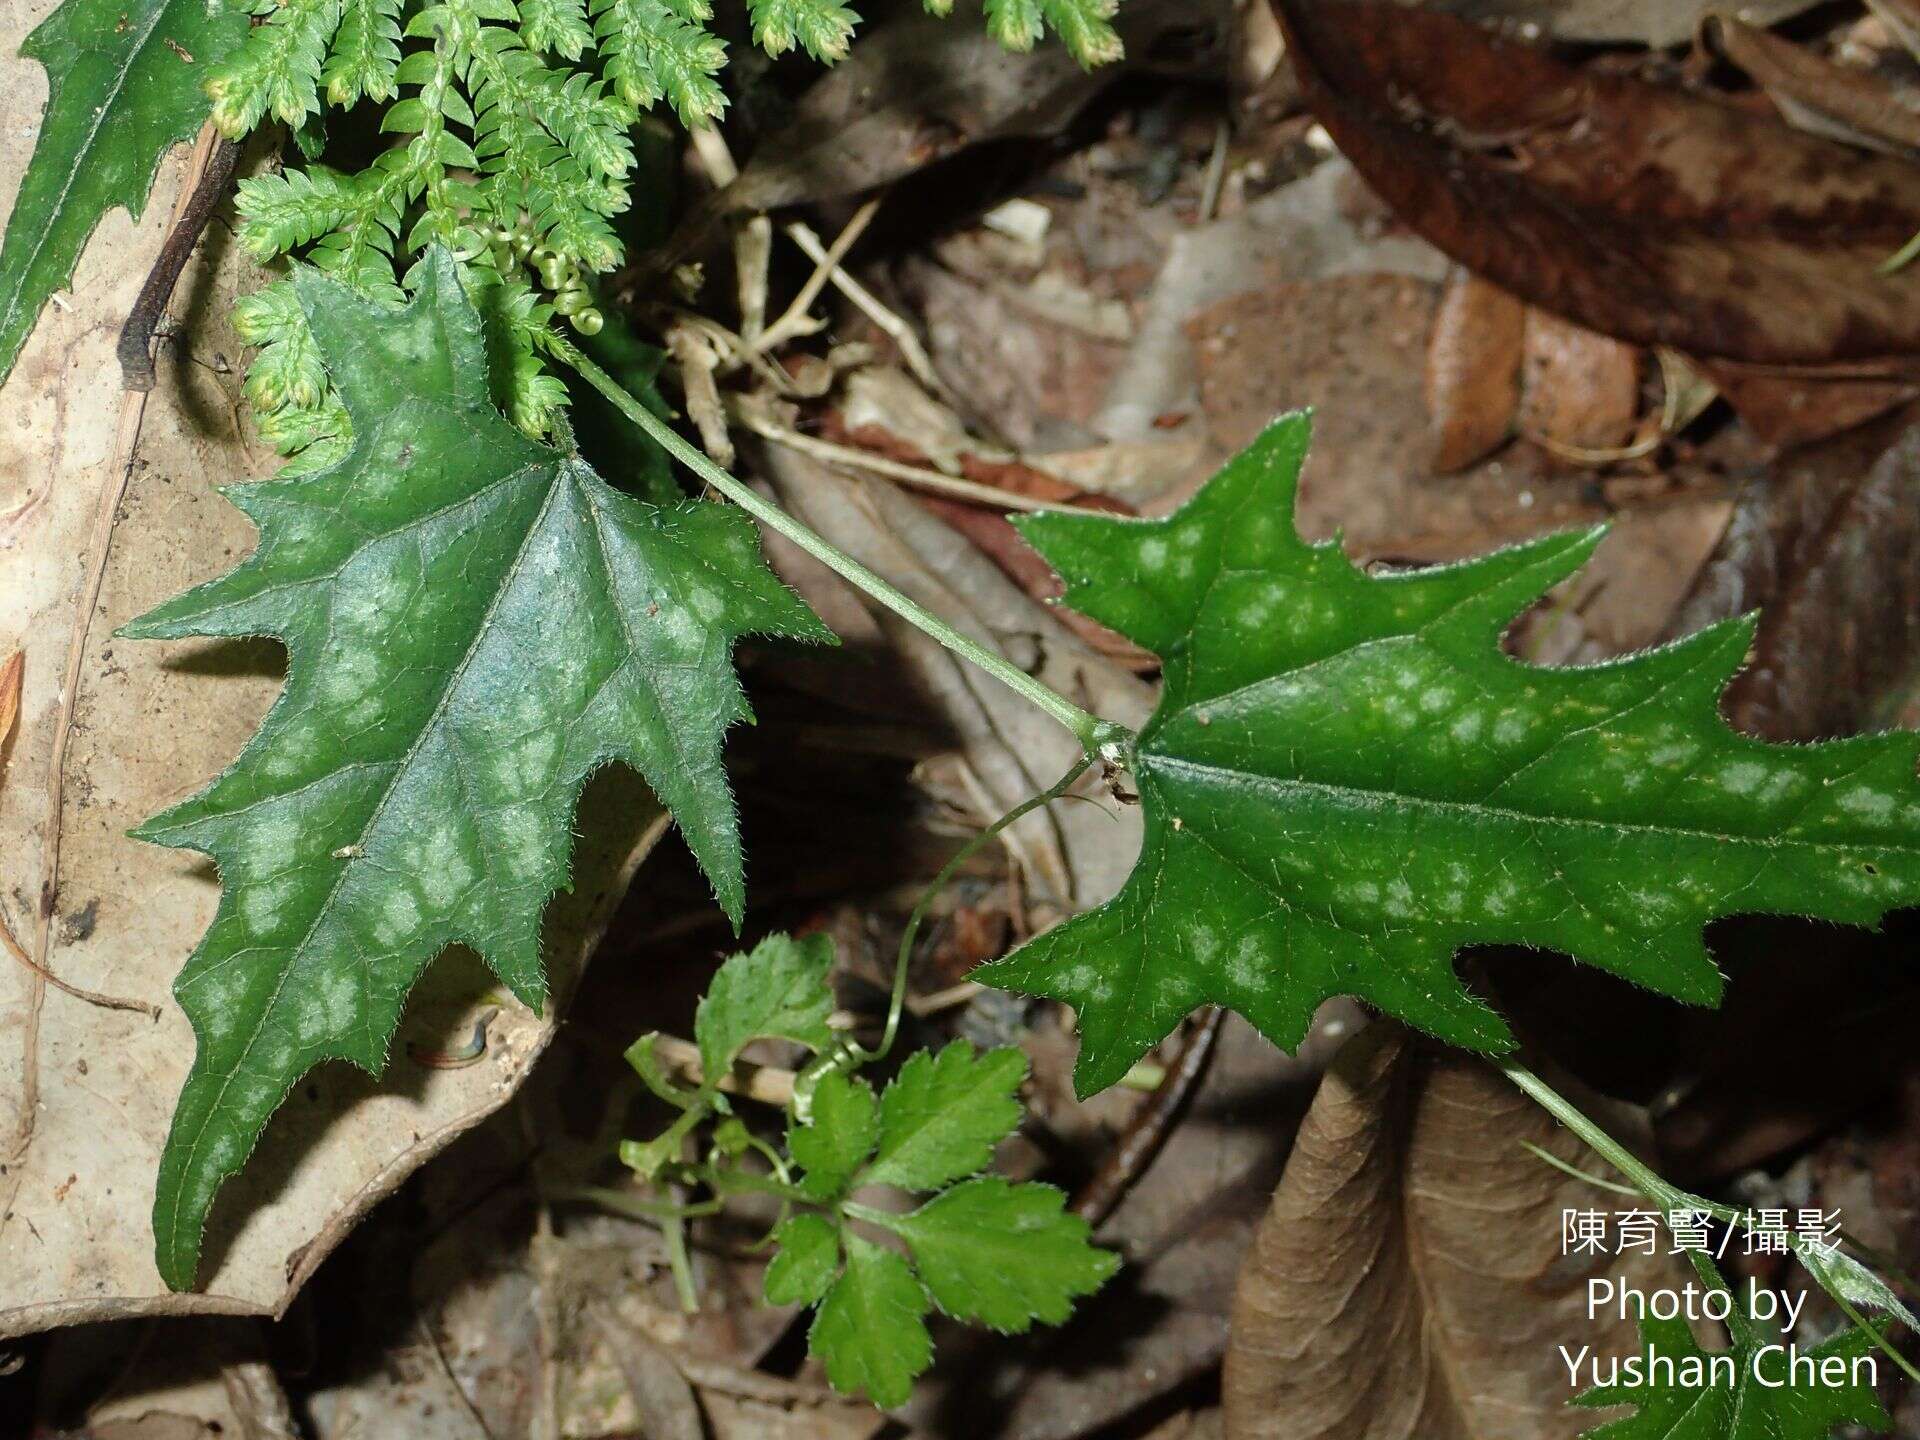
1835, 1274
1099, 739
897, 1001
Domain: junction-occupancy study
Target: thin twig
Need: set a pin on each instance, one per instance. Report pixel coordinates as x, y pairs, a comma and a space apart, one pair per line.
1151, 1124
712, 150
136, 336
769, 1084
915, 475
797, 320
697, 358
890, 324
92, 997
1216, 173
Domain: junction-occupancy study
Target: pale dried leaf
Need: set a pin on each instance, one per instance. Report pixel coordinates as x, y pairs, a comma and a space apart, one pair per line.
1473, 370
1580, 390
1408, 1281
150, 723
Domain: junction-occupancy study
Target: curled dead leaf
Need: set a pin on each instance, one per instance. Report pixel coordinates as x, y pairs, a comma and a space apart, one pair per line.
1813, 93
1408, 1281
1580, 391
1473, 370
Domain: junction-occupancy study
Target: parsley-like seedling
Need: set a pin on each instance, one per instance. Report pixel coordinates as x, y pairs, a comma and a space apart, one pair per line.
982, 1249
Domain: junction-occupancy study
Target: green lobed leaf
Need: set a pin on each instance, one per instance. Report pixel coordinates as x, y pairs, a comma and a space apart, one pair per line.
871, 1330
778, 989
943, 1114
1346, 780
806, 1260
1742, 1408
474, 622
123, 82
842, 1123
1003, 1255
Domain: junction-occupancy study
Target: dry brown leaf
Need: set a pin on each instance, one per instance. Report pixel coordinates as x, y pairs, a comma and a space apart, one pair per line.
1657, 215
1788, 410
1579, 390
1658, 23
1827, 547
1473, 370
11, 674
1812, 92
1408, 1281
86, 1093
922, 89
1351, 347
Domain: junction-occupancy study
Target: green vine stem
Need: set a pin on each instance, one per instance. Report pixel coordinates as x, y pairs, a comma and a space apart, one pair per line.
1098, 738
896, 1003
1669, 1198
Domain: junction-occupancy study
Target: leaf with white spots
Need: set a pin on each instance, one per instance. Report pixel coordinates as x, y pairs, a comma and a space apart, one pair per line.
474, 622
1347, 780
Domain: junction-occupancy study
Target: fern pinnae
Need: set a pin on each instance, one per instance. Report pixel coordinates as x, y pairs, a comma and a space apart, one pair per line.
277, 70
365, 53
657, 50
557, 27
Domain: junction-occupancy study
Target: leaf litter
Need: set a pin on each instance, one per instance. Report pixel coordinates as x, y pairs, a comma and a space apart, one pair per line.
1302, 288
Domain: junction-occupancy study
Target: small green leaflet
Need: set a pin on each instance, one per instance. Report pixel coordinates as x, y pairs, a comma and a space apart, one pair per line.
871, 1329
986, 1251
1739, 1407
841, 1126
123, 85
807, 1259
943, 1114
776, 990
1346, 781
1002, 1255
474, 622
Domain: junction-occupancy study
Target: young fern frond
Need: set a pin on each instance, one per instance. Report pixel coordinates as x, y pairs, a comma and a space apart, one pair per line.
657, 50
277, 71
513, 149
365, 53
556, 27
287, 373
1084, 26
823, 28
280, 212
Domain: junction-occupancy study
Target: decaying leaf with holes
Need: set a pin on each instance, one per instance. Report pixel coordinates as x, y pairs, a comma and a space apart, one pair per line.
474, 623
1346, 781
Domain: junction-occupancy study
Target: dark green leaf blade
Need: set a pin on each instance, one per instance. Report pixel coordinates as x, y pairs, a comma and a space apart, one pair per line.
474, 623
1740, 1407
842, 1124
123, 85
1002, 1254
805, 1262
871, 1330
943, 1114
778, 989
1346, 781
